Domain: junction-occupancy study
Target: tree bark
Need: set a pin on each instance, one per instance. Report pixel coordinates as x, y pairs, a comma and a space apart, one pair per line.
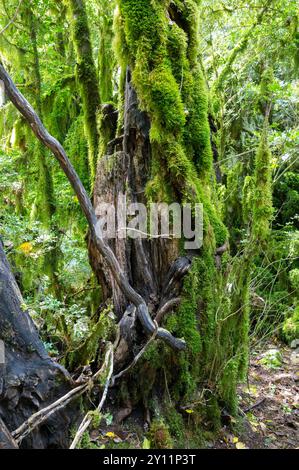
125, 170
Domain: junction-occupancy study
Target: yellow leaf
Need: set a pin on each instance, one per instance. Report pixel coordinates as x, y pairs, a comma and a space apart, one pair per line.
111, 435
235, 440
146, 444
253, 391
26, 248
240, 445
189, 411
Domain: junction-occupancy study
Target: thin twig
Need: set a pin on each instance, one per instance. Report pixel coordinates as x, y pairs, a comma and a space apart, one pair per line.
12, 19
255, 405
88, 417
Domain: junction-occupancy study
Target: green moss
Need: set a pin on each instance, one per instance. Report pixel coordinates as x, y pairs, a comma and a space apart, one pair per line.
86, 77
159, 436
175, 424
168, 89
106, 58
77, 149
86, 443
161, 50
262, 200
86, 353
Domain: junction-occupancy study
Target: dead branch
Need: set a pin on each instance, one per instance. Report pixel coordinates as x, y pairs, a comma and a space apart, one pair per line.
102, 246
38, 418
255, 405
165, 308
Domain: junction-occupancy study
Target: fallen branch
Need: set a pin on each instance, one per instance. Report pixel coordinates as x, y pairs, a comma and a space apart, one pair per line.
255, 405
101, 244
40, 416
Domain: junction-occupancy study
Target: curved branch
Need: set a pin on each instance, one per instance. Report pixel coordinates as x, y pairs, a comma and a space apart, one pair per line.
104, 249
170, 304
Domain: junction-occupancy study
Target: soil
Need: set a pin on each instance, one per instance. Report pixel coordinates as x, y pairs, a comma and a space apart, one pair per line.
269, 402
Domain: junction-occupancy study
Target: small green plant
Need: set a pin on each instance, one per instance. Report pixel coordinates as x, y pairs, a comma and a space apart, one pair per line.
159, 436
272, 359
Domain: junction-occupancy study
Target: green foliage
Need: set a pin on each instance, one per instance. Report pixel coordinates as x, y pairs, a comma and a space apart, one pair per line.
291, 326
272, 359
87, 351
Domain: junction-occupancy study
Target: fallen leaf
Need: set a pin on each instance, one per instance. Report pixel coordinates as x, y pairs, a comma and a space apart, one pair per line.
241, 445
111, 435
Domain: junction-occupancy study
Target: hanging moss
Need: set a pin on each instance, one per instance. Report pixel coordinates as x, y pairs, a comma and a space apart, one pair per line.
77, 150
262, 200
106, 54
175, 99
86, 77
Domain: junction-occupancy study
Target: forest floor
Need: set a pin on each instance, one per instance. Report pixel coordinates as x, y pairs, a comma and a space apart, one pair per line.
270, 402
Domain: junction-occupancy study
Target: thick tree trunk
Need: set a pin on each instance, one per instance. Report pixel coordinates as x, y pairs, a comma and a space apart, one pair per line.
29, 379
6, 439
125, 171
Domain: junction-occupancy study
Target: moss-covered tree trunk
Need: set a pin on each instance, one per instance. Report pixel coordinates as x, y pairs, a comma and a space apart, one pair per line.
161, 152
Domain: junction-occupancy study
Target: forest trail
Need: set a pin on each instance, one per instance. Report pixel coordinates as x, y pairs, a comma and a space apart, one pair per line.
270, 401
